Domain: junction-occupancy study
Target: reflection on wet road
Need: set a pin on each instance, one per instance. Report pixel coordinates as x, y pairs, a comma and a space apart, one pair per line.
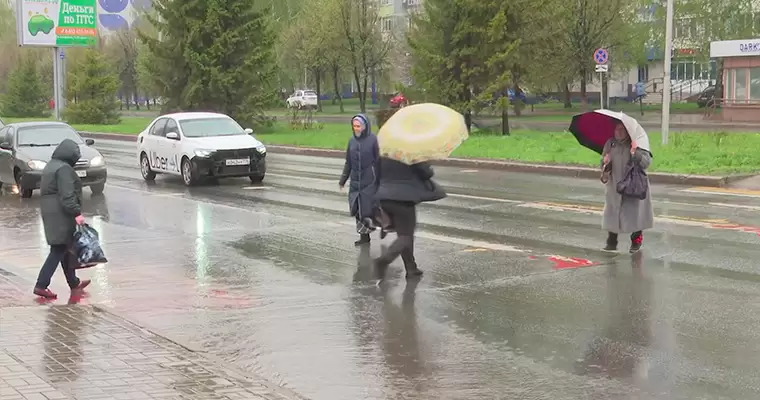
517, 300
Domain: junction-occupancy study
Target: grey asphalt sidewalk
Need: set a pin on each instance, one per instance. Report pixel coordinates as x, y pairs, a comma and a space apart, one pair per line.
78, 352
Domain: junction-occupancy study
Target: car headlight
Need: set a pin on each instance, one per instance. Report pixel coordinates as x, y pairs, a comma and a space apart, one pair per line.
97, 161
261, 149
203, 152
36, 165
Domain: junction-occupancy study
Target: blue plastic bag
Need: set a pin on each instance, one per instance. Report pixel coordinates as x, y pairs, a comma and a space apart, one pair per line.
86, 247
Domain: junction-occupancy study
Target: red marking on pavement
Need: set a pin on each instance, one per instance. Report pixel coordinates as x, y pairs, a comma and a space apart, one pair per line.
570, 262
532, 257
737, 227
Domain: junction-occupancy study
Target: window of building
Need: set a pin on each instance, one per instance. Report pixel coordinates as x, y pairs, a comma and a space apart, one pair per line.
685, 28
754, 83
713, 70
386, 24
728, 85
385, 2
740, 84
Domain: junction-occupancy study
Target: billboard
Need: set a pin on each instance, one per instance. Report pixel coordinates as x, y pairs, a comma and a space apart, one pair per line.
115, 15
57, 23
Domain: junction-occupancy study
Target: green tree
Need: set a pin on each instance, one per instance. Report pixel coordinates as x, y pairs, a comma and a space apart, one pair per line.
92, 92
26, 96
447, 45
213, 55
583, 26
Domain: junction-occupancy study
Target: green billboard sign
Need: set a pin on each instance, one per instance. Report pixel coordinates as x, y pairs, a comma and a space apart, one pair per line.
57, 23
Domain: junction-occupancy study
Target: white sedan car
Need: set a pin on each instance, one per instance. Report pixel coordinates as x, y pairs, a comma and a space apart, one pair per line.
197, 145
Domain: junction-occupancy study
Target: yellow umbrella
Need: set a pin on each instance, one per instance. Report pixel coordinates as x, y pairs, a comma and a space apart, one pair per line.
422, 132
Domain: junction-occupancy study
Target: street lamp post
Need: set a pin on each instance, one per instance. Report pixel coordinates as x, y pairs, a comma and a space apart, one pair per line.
666, 73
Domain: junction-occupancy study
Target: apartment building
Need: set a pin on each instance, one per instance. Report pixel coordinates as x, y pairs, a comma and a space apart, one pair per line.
395, 20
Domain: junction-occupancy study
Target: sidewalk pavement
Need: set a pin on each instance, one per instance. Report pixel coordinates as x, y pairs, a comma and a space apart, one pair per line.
77, 352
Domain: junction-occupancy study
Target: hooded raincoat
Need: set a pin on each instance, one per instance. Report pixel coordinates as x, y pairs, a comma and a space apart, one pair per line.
362, 167
61, 192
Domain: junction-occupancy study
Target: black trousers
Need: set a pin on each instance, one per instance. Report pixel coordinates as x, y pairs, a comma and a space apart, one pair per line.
59, 254
612, 238
403, 216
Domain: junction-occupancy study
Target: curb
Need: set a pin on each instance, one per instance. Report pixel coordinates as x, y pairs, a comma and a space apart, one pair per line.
572, 171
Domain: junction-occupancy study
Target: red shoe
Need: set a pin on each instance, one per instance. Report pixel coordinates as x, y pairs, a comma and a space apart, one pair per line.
82, 284
45, 293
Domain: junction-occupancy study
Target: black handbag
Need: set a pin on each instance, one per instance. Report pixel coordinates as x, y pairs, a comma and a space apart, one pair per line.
634, 183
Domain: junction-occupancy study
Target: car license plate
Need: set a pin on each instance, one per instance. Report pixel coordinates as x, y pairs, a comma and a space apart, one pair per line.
81, 174
239, 161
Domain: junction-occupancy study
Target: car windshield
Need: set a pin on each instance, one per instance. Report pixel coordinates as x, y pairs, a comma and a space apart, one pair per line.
46, 135
205, 127
309, 93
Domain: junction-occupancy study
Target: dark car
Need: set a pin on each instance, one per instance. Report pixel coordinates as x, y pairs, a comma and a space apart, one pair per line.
26, 147
706, 98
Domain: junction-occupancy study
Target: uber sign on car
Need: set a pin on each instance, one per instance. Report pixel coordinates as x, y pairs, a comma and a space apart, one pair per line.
200, 145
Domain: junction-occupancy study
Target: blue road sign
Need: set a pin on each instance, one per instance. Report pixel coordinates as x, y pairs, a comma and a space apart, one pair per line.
601, 56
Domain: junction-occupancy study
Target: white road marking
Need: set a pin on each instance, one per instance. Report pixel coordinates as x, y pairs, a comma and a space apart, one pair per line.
494, 199
303, 178
754, 208
582, 210
459, 241
461, 196
471, 243
468, 171
254, 187
735, 194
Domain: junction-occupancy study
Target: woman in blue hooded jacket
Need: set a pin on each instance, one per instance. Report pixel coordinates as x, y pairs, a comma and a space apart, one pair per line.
362, 168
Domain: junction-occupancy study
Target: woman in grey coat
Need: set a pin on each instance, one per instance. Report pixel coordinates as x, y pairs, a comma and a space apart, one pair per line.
624, 214
362, 168
61, 209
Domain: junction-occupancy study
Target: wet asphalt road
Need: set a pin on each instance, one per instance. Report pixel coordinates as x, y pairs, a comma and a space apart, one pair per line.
516, 302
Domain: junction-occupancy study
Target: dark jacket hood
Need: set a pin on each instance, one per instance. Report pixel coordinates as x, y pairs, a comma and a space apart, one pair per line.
68, 151
367, 126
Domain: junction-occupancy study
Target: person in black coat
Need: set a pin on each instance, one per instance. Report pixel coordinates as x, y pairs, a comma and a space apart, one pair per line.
362, 165
61, 209
401, 188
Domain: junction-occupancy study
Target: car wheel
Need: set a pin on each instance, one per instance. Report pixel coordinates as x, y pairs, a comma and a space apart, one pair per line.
189, 176
256, 178
98, 189
25, 193
147, 173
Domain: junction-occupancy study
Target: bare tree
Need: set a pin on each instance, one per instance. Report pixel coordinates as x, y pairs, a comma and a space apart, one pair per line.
367, 47
123, 47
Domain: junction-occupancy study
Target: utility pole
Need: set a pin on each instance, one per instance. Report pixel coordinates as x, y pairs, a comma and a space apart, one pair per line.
666, 73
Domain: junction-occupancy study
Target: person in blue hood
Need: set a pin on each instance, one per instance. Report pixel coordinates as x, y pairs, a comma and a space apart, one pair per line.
362, 168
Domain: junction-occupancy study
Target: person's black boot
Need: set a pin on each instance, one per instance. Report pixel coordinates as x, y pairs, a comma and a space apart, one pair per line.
413, 272
612, 243
363, 239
